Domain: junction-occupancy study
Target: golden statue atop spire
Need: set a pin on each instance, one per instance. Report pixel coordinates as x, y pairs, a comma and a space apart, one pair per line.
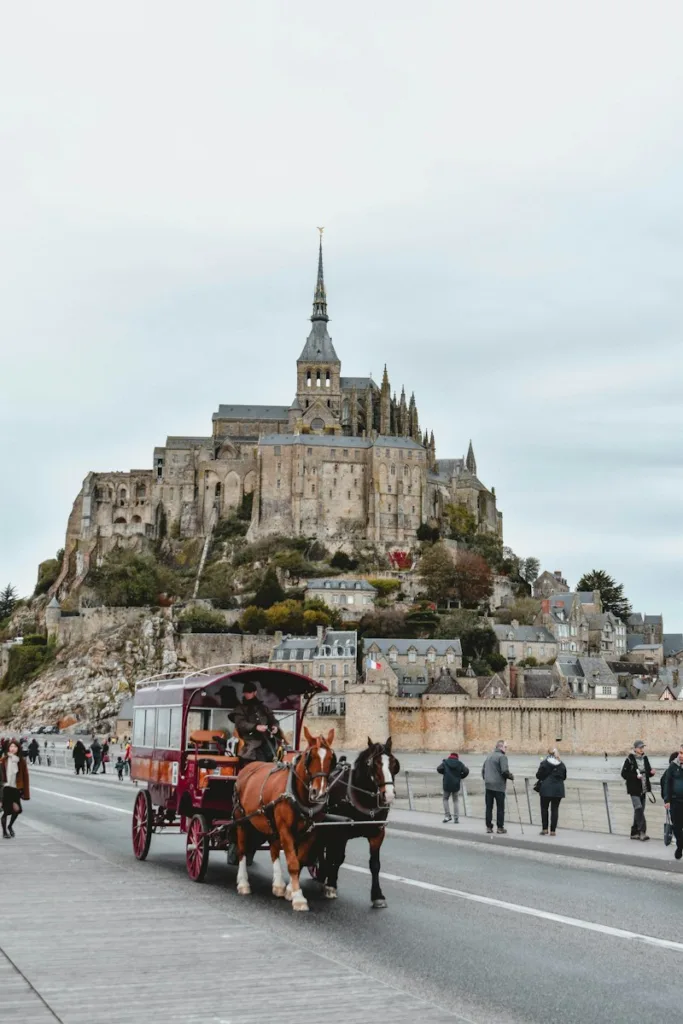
321, 233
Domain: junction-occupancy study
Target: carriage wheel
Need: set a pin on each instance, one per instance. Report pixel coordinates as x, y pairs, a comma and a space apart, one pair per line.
142, 824
197, 849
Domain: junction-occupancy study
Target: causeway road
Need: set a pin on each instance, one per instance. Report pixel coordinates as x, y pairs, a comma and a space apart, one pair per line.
475, 931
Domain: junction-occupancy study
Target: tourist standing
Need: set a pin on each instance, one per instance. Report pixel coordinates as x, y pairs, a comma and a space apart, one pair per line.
79, 756
637, 773
672, 791
105, 756
453, 771
96, 751
495, 772
14, 775
33, 750
551, 775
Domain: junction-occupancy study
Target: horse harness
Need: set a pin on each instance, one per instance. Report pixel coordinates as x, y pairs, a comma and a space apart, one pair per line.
345, 774
267, 810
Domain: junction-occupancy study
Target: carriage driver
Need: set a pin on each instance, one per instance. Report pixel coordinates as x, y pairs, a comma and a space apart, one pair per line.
256, 725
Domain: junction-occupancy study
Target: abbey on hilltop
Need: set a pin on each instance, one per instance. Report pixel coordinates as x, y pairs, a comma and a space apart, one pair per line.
346, 462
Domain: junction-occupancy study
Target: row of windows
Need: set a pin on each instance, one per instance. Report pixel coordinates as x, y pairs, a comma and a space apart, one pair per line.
107, 494
392, 655
333, 670
334, 452
529, 651
157, 727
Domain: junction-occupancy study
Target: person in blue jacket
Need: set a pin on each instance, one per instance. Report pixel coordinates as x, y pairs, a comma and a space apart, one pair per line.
453, 771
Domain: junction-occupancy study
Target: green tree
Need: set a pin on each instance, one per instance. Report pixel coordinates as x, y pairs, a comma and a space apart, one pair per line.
490, 547
478, 643
8, 600
340, 560
270, 592
428, 534
47, 574
529, 569
456, 622
382, 623
611, 592
497, 661
253, 619
436, 571
385, 587
523, 610
473, 581
217, 584
328, 616
126, 579
201, 620
461, 522
422, 621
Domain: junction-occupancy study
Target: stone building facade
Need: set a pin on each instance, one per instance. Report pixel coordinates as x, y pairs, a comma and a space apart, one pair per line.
351, 598
414, 662
329, 657
344, 462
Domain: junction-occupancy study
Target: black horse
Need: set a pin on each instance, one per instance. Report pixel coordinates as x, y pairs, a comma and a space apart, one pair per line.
362, 792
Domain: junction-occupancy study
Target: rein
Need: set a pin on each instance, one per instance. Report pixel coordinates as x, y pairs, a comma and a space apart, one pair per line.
352, 788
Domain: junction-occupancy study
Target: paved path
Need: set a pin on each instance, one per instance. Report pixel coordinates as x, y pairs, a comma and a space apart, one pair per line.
477, 929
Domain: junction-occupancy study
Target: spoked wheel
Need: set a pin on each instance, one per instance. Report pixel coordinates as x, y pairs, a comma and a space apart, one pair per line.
197, 849
142, 824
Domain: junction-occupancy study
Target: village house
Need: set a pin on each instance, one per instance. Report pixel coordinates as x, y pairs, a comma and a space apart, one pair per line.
565, 617
673, 649
351, 598
415, 662
518, 643
493, 687
650, 628
549, 583
587, 677
541, 684
606, 636
329, 657
650, 656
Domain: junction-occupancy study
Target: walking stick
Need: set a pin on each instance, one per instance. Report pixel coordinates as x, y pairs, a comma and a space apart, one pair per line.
514, 790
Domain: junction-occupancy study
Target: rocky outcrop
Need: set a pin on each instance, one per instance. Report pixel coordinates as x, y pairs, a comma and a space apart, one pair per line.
87, 682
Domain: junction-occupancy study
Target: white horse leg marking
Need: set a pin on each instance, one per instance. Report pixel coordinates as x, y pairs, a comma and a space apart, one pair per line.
389, 788
243, 887
329, 892
278, 879
298, 900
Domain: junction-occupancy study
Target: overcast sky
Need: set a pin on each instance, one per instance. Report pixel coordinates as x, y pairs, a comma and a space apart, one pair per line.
500, 185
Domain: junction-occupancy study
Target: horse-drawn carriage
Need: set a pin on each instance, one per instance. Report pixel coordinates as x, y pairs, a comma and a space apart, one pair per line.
186, 750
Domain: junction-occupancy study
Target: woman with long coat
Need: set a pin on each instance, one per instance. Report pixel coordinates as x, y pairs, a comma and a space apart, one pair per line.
551, 775
79, 757
14, 775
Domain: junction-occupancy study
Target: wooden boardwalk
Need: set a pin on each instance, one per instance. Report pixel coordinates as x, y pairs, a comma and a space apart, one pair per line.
88, 942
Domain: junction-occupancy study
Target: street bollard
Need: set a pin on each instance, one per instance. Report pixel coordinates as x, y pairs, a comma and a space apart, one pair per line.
528, 800
410, 792
465, 801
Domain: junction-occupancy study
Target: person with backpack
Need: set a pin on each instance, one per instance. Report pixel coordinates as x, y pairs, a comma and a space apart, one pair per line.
550, 786
453, 771
672, 793
636, 773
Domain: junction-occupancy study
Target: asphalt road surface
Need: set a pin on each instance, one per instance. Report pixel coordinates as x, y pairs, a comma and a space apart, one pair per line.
487, 935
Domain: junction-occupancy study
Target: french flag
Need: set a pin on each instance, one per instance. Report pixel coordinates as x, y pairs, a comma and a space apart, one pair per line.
371, 663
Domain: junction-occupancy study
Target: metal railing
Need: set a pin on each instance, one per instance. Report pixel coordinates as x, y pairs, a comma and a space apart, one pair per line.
589, 805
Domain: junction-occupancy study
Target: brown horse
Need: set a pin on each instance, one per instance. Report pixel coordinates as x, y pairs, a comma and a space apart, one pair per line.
281, 803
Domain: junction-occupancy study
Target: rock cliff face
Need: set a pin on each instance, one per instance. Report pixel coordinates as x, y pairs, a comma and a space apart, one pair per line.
88, 681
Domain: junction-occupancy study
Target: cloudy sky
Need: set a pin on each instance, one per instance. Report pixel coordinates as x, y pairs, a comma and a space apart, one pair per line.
500, 185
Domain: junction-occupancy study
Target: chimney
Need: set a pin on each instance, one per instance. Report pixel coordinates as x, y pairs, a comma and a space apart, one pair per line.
558, 575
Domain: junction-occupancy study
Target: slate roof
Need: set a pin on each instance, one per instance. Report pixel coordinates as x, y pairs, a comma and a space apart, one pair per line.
595, 671
340, 441
303, 648
318, 347
483, 682
445, 683
251, 412
646, 647
673, 643
421, 646
635, 620
540, 685
653, 620
525, 634
450, 467
634, 640
585, 596
189, 442
337, 584
359, 383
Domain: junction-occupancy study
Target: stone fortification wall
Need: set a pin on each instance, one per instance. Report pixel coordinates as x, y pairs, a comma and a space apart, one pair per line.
90, 622
529, 726
199, 650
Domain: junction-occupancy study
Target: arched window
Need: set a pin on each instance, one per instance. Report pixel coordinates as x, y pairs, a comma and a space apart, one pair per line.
97, 494
120, 519
308, 378
123, 496
136, 519
317, 379
218, 490
327, 379
140, 492
317, 424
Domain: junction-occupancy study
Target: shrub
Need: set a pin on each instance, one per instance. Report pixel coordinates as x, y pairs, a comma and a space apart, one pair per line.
47, 574
8, 701
201, 620
25, 662
385, 587
253, 619
285, 615
497, 661
270, 592
35, 640
126, 579
340, 560
217, 584
232, 526
428, 533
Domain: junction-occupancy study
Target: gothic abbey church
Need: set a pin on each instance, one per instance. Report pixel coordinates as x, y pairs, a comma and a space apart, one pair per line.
345, 463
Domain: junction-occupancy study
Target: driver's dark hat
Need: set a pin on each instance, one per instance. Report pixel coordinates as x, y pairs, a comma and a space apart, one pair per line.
249, 688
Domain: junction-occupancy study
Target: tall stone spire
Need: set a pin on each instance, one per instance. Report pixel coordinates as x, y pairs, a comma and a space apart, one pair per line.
403, 419
432, 451
470, 461
320, 296
414, 424
385, 404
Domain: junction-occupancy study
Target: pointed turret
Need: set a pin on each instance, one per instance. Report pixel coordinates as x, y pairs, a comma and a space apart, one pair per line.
432, 451
319, 347
369, 416
353, 412
414, 425
470, 461
385, 404
403, 418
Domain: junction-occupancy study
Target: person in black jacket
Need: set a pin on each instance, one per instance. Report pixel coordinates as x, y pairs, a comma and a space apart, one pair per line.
637, 773
551, 775
673, 799
453, 771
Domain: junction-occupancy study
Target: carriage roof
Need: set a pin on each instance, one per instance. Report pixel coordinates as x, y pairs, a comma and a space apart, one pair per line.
169, 688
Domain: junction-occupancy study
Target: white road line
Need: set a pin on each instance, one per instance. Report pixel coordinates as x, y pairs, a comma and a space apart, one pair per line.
518, 908
515, 908
81, 800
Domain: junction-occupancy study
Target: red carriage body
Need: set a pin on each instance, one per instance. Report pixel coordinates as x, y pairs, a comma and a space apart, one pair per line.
190, 778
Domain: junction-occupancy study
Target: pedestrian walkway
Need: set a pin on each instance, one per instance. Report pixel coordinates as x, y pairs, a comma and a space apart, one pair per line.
172, 954
568, 842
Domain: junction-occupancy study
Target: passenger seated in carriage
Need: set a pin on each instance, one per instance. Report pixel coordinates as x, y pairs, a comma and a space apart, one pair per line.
256, 726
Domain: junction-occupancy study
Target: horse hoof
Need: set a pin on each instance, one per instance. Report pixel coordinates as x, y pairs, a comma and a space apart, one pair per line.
279, 891
301, 905
330, 892
288, 892
379, 904
244, 890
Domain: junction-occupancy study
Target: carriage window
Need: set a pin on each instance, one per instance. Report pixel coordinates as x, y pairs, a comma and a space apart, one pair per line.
176, 728
195, 721
163, 728
138, 727
220, 720
150, 722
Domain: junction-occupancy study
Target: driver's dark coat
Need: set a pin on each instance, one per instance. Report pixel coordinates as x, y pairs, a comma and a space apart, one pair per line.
247, 716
